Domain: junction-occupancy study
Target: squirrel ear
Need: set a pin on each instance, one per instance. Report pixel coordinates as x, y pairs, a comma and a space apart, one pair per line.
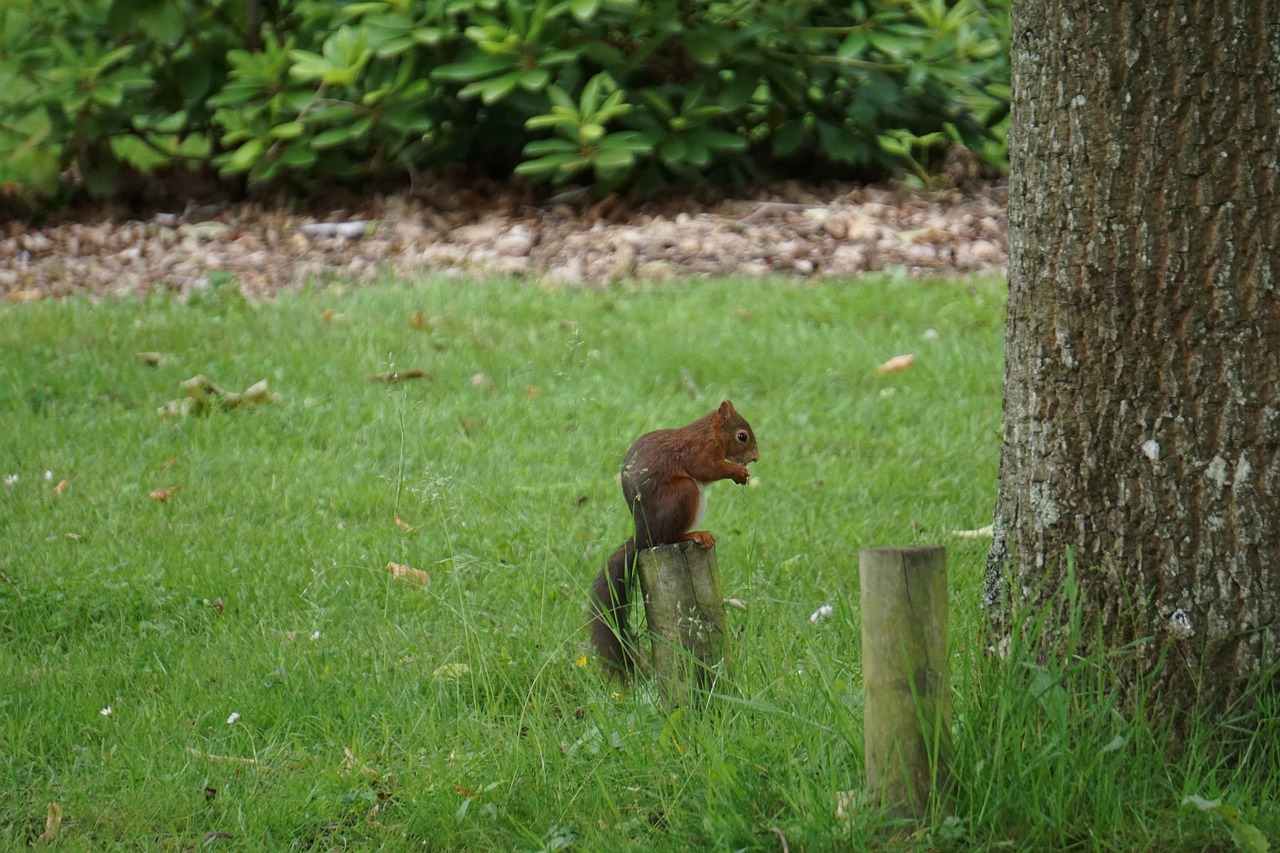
726, 409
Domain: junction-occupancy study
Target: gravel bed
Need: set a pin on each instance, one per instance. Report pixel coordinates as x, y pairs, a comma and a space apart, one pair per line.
794, 230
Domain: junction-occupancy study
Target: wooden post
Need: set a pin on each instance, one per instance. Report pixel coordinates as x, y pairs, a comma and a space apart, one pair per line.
685, 610
906, 677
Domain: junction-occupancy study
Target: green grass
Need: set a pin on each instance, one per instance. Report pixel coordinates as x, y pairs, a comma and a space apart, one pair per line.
382, 714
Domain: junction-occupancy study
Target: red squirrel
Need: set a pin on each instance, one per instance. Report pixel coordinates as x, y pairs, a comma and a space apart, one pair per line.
664, 479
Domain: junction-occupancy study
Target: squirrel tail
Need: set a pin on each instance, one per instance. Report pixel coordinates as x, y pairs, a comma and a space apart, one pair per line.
610, 611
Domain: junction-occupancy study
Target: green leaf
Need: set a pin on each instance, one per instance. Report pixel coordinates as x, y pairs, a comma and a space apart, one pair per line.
551, 120
135, 152
477, 66
673, 150
534, 79
162, 20
244, 157
336, 136
854, 46
409, 118
288, 130
631, 140
493, 89
308, 65
613, 158
429, 36
584, 10
551, 146
704, 45
739, 92
719, 139
839, 141
561, 166
787, 137
298, 156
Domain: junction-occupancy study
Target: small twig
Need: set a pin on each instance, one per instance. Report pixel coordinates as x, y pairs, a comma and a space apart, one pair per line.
782, 838
776, 207
397, 375
690, 385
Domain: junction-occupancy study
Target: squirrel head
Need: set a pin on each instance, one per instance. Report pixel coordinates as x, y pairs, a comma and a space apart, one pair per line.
736, 435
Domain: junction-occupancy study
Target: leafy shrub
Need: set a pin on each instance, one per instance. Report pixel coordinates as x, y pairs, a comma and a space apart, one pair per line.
305, 92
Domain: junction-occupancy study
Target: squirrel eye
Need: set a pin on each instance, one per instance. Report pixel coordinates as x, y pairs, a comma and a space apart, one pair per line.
742, 436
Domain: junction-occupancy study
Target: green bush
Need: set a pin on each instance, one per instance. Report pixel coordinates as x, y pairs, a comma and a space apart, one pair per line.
305, 92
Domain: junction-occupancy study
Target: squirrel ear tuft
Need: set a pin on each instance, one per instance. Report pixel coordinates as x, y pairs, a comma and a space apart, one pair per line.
726, 409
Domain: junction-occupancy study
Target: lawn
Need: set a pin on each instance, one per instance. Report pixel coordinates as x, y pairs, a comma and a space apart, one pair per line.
237, 666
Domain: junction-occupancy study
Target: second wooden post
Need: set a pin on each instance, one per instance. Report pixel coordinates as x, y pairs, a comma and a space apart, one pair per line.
906, 677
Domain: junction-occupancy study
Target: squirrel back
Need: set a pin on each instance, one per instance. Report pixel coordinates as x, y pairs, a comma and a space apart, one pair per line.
664, 479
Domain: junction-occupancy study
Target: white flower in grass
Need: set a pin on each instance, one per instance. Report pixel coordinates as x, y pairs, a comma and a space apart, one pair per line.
315, 635
11, 480
235, 715
106, 712
48, 476
822, 614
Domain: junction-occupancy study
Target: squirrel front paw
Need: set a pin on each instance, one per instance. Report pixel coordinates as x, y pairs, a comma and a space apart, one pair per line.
741, 475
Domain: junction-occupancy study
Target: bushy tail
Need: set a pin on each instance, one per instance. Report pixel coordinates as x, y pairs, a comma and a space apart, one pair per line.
610, 613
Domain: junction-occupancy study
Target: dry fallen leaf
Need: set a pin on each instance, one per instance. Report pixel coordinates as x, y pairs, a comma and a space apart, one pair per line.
407, 573
154, 359
164, 494
896, 364
532, 392
255, 393
397, 375
329, 315
450, 671
52, 821
61, 487
203, 395
418, 320
403, 525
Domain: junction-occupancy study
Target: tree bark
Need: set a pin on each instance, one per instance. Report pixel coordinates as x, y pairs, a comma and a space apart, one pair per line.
1141, 412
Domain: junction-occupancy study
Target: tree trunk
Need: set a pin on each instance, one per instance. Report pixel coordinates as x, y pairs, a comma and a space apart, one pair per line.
1142, 379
